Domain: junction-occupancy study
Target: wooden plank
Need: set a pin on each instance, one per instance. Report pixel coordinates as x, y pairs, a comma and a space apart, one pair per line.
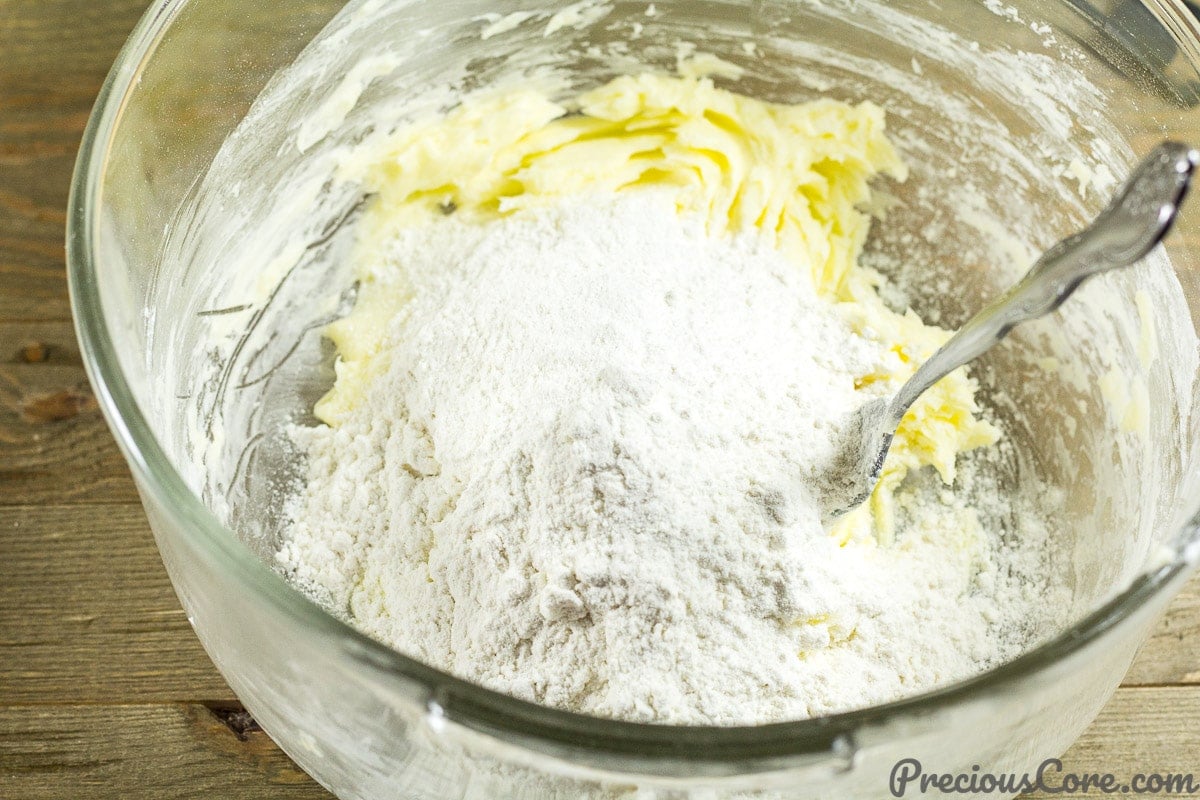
55, 57
1172, 653
1141, 730
130, 752
58, 38
56, 445
40, 342
87, 613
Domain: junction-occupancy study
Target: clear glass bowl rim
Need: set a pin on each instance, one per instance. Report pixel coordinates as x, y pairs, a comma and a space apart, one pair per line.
514, 721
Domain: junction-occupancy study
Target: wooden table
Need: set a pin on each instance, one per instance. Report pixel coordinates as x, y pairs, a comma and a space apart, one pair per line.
104, 690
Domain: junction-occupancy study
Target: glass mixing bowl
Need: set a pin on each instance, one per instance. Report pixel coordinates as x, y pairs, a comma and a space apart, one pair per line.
1103, 79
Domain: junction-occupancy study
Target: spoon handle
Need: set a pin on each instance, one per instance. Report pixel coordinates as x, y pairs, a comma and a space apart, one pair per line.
1127, 229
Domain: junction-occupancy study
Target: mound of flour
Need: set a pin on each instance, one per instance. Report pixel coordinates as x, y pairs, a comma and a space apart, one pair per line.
584, 475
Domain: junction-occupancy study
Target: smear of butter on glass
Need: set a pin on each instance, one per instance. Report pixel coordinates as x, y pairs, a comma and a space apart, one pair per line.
504, 24
341, 101
1147, 332
577, 15
1128, 400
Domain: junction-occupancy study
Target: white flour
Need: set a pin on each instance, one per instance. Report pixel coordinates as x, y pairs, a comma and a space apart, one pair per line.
584, 478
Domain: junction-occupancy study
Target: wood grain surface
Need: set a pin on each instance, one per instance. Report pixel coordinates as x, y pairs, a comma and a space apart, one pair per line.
104, 690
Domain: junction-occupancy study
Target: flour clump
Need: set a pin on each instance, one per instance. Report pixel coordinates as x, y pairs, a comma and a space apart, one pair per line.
585, 475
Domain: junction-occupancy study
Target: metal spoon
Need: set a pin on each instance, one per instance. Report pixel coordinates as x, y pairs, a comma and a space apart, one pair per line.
1124, 232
